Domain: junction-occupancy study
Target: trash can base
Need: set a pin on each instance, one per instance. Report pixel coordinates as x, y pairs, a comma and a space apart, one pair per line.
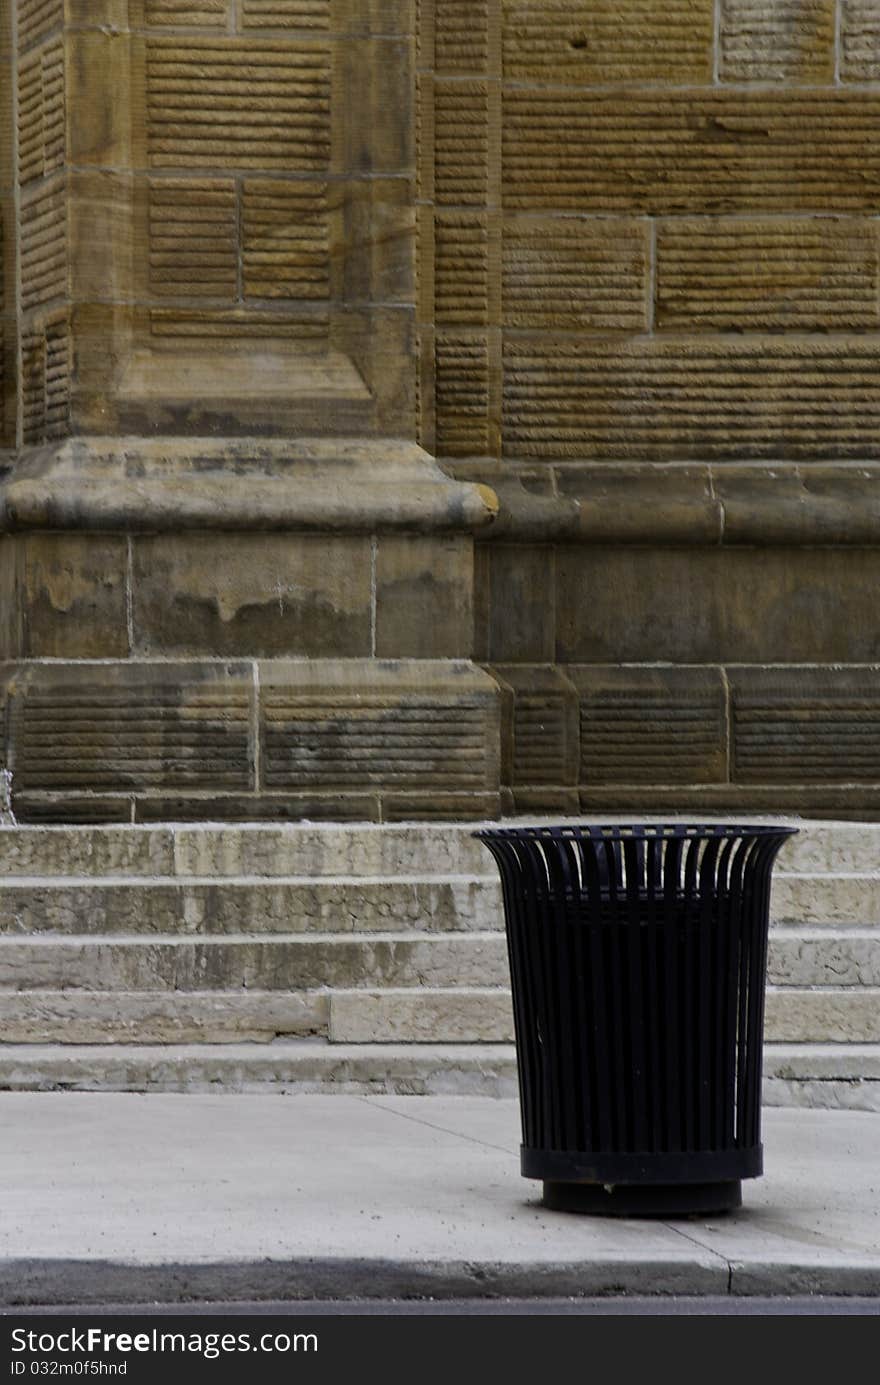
644, 1200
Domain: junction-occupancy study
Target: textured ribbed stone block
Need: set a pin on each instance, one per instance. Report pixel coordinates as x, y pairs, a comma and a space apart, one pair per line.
650, 726
461, 143
427, 728
462, 373
751, 396
461, 269
607, 42
773, 150
860, 41
37, 19
802, 274
805, 726
219, 75
118, 726
562, 273
543, 741
777, 41
461, 36
201, 13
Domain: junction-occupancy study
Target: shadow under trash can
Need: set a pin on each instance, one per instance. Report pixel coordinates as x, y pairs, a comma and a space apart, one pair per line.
638, 959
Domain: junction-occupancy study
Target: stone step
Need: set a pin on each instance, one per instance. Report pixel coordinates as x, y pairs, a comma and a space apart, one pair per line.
160, 1017
266, 851
337, 849
293, 961
268, 960
288, 1065
815, 1075
85, 905
840, 1076
479, 1015
824, 957
822, 1014
249, 905
832, 846
391, 1014
845, 898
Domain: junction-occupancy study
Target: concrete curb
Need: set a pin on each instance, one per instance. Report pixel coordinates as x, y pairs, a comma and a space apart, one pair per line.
49, 1283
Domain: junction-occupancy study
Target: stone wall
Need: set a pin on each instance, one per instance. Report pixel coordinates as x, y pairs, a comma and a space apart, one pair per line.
653, 230
614, 264
650, 277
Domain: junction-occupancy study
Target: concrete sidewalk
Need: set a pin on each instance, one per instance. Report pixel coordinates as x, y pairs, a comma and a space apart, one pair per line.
130, 1199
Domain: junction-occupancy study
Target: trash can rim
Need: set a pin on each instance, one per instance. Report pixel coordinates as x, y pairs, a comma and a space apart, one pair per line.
635, 831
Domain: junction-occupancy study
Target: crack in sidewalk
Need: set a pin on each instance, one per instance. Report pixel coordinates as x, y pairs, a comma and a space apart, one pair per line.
432, 1125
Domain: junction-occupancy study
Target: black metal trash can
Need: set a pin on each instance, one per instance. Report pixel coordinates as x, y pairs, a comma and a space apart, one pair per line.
638, 959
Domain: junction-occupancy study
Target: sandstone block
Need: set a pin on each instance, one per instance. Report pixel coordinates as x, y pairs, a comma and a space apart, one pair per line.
709, 397
72, 593
424, 606
651, 725
520, 586
805, 726
791, 41
860, 41
461, 268
604, 42
811, 274
423, 727
840, 848
542, 744
767, 151
299, 1065
120, 726
567, 274
770, 606
377, 250
256, 807
99, 135
263, 595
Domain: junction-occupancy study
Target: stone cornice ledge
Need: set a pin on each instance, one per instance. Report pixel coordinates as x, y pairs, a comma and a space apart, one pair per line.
813, 504
153, 484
